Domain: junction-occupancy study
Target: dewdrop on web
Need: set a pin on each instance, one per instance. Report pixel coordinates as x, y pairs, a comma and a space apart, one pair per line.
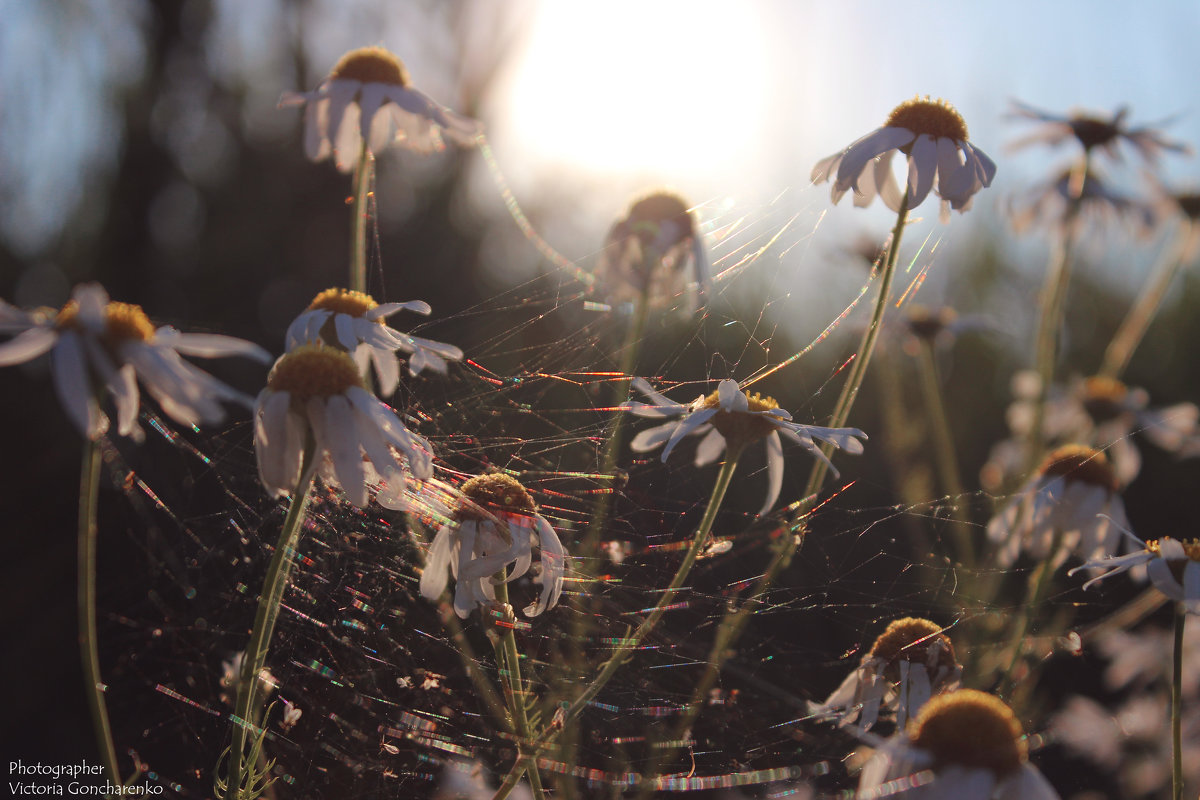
368, 97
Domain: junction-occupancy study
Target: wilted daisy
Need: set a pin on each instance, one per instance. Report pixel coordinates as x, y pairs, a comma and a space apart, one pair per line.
315, 395
964, 745
731, 419
1072, 500
1094, 131
655, 251
932, 135
354, 321
97, 346
1060, 204
368, 97
909, 663
1172, 564
1181, 204
495, 524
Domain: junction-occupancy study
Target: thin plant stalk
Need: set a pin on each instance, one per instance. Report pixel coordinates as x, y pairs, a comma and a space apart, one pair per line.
944, 452
255, 656
467, 655
1042, 580
1141, 314
1052, 302
360, 212
515, 694
735, 619
1177, 707
629, 644
89, 491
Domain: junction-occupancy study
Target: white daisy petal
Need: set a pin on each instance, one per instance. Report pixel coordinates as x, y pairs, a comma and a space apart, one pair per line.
774, 471
27, 345
922, 165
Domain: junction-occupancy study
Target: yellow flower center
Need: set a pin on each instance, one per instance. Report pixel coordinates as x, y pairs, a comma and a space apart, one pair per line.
742, 427
647, 216
122, 322
927, 323
1191, 547
936, 118
970, 729
313, 370
1077, 462
371, 65
910, 639
1104, 398
495, 492
344, 301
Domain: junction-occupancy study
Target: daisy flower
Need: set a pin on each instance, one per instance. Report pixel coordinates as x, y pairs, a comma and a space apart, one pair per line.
1100, 411
653, 250
731, 419
1172, 564
964, 745
910, 662
495, 524
1059, 204
1094, 131
368, 97
354, 321
315, 393
932, 136
97, 345
1183, 205
1072, 500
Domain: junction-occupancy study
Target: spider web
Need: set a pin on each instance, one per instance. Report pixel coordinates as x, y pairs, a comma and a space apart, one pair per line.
387, 705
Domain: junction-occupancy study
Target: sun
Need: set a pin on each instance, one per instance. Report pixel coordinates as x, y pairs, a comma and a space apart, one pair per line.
640, 87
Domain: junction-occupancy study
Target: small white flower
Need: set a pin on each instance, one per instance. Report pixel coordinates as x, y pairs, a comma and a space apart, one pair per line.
368, 97
495, 524
354, 321
964, 745
1172, 564
316, 392
1094, 131
1072, 498
96, 345
654, 250
731, 418
933, 137
910, 662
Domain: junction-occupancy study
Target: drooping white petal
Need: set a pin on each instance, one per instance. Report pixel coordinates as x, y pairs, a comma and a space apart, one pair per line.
710, 447
211, 345
69, 367
384, 310
437, 564
922, 165
369, 100
554, 567
27, 345
653, 438
687, 425
774, 471
860, 153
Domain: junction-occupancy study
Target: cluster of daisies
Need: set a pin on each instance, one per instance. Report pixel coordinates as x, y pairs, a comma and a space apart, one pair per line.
323, 412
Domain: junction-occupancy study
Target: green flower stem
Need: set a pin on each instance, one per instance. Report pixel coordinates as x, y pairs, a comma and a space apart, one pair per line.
359, 213
466, 653
630, 643
734, 620
1133, 327
1053, 301
510, 668
1042, 580
1177, 707
255, 656
89, 490
944, 453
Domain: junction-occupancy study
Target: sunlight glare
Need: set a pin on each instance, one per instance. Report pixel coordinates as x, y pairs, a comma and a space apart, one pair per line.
630, 86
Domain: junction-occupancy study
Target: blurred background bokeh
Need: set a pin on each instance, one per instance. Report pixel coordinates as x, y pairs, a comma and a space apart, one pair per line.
141, 146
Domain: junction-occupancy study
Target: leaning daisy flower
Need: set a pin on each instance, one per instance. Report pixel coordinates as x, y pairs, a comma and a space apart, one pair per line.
97, 345
653, 251
932, 135
354, 321
1070, 504
1172, 564
1094, 131
368, 97
494, 525
317, 391
964, 745
731, 419
910, 662
1062, 205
